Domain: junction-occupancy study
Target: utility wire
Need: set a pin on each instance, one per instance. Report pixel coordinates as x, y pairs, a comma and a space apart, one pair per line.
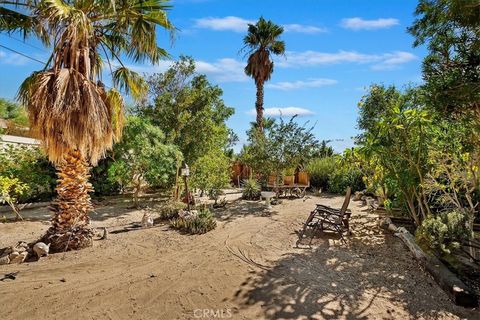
25, 43
23, 55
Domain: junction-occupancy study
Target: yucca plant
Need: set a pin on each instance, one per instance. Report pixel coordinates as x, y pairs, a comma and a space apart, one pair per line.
71, 111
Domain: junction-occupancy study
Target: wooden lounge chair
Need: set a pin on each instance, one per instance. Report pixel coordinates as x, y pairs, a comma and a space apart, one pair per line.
327, 218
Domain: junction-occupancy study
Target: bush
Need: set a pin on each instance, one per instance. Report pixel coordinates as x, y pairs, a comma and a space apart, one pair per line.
201, 223
31, 167
170, 209
102, 184
444, 232
344, 177
251, 190
320, 170
211, 173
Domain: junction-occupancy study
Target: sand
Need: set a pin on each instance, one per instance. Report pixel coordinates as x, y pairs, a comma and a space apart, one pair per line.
247, 268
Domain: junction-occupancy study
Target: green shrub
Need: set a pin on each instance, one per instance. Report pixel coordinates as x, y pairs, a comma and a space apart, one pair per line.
344, 177
445, 231
31, 167
201, 223
170, 209
102, 184
320, 170
251, 189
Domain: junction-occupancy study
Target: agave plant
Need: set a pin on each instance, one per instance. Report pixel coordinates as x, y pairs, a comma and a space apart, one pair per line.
71, 111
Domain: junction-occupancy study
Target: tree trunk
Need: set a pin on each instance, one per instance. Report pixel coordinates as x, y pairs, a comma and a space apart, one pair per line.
259, 106
70, 223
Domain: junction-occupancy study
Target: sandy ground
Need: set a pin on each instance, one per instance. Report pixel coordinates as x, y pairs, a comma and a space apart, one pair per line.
247, 268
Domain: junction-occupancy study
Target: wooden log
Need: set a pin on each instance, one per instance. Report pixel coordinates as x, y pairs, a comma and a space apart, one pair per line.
447, 280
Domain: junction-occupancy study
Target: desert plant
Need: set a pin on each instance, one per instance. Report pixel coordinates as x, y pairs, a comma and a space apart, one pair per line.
74, 114
200, 223
170, 209
444, 232
251, 189
10, 190
320, 171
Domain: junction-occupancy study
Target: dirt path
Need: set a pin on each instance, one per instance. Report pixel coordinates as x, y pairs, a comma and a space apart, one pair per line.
247, 268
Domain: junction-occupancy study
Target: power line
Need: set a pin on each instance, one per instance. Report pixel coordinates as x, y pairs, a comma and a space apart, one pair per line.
23, 55
25, 43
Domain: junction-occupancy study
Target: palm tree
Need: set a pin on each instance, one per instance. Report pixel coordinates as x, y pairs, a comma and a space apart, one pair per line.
71, 111
261, 41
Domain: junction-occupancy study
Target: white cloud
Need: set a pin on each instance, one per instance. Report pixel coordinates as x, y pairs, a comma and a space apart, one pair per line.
361, 24
229, 23
222, 70
385, 61
13, 59
284, 111
237, 24
311, 83
299, 28
393, 60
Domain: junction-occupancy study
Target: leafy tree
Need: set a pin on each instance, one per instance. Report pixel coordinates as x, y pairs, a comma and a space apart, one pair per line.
142, 158
262, 40
451, 29
74, 115
14, 112
281, 146
211, 173
189, 110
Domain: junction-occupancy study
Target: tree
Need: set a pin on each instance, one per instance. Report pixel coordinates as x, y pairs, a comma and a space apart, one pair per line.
189, 110
74, 114
211, 173
262, 40
142, 158
283, 145
451, 70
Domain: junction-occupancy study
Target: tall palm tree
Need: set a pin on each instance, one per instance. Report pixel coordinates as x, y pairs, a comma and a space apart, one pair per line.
71, 111
262, 40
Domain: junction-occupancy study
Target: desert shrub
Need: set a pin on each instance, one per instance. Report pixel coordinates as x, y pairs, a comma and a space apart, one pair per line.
445, 231
31, 167
10, 190
170, 209
251, 189
320, 170
343, 177
201, 223
102, 184
211, 173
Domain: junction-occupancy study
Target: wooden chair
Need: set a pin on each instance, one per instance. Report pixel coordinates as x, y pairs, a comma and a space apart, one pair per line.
327, 218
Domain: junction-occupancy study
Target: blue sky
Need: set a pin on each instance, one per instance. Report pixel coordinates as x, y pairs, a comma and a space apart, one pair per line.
335, 49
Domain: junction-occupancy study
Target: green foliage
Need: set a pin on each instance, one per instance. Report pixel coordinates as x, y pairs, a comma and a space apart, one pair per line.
170, 209
451, 30
282, 145
189, 110
142, 158
251, 189
103, 185
31, 167
334, 174
320, 171
211, 173
201, 223
445, 231
10, 190
16, 116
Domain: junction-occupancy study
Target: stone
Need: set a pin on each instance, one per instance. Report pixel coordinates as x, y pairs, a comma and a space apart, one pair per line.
41, 249
20, 249
4, 260
147, 221
13, 255
357, 196
20, 258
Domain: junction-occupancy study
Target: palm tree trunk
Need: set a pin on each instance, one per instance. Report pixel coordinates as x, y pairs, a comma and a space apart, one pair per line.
259, 106
70, 223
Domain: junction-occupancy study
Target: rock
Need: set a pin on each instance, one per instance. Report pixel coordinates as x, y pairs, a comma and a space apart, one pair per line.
20, 258
22, 244
8, 250
4, 260
13, 255
147, 221
41, 249
384, 223
20, 249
